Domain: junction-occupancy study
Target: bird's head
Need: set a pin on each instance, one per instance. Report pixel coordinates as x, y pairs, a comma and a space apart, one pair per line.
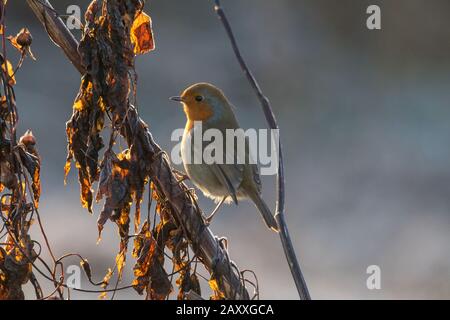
203, 101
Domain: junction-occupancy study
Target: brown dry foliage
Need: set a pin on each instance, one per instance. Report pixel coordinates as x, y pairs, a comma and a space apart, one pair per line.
115, 32
19, 185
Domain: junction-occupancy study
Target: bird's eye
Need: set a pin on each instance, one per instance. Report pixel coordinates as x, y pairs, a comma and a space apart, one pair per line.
199, 98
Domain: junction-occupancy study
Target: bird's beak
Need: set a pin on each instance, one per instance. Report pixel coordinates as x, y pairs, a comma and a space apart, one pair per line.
176, 98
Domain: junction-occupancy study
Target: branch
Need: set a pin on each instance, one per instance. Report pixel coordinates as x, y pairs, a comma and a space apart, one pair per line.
57, 30
270, 117
203, 242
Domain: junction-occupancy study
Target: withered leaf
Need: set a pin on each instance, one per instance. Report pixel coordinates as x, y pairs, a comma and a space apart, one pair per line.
30, 159
120, 261
9, 70
15, 269
140, 238
141, 34
91, 11
149, 272
215, 286
107, 278
87, 268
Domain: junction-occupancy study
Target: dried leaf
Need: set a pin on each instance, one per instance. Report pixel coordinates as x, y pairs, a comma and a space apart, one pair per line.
87, 268
91, 11
141, 34
103, 296
120, 261
107, 278
36, 186
149, 272
140, 238
9, 70
66, 170
214, 285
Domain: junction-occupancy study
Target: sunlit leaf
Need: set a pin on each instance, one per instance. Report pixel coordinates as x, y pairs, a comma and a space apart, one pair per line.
142, 34
214, 285
86, 267
79, 105
5, 204
86, 194
36, 186
66, 170
9, 70
91, 11
103, 296
120, 261
107, 278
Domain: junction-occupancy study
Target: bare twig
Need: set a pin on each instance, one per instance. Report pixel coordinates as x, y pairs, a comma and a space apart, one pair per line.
187, 214
270, 117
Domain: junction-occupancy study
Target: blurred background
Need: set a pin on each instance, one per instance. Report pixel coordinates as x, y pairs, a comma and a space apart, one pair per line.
364, 119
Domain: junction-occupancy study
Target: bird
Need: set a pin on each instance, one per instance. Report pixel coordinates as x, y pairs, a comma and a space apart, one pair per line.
222, 182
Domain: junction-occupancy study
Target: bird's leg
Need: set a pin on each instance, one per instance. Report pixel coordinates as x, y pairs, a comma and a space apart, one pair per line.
209, 218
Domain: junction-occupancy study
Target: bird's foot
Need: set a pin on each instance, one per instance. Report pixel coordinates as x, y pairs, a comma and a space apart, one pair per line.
208, 220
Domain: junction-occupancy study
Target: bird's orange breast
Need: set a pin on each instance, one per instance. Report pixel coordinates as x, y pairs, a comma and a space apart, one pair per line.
199, 112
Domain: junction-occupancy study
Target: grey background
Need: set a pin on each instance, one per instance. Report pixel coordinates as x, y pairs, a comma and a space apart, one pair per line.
365, 125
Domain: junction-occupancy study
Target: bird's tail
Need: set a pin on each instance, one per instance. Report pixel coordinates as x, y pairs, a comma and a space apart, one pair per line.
265, 211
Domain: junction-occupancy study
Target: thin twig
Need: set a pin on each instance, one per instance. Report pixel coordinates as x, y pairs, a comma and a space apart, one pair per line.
270, 117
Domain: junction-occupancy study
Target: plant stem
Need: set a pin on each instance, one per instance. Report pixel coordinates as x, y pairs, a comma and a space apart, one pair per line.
270, 117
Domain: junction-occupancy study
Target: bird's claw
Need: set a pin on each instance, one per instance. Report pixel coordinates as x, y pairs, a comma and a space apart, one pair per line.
208, 220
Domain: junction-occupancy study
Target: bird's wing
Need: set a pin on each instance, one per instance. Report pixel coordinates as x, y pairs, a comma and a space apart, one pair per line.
254, 168
256, 177
230, 175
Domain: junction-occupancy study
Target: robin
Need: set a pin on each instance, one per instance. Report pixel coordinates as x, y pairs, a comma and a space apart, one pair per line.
221, 181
